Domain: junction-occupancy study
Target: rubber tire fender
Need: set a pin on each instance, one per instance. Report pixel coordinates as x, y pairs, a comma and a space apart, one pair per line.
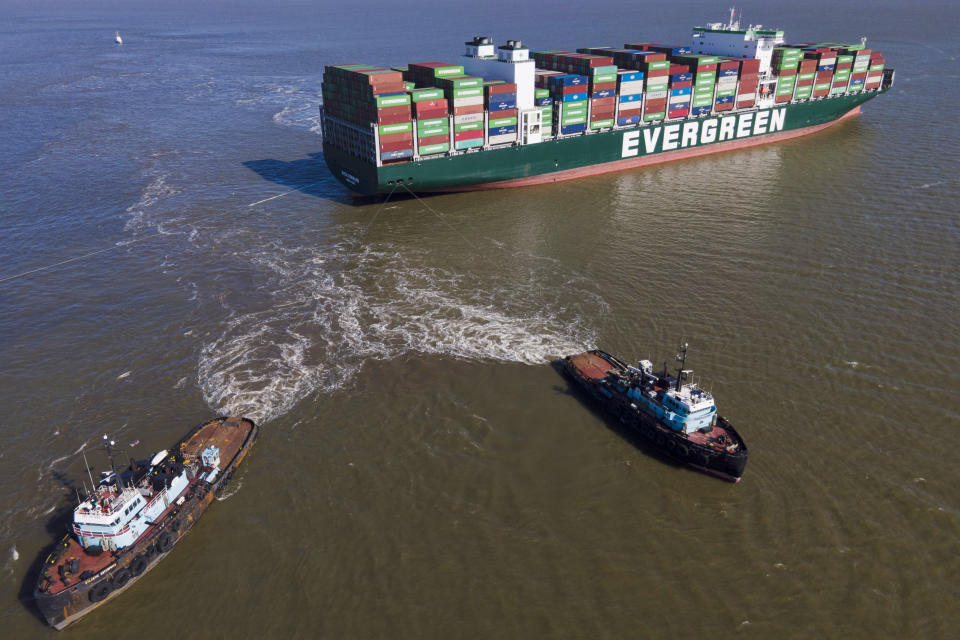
121, 578
139, 564
100, 591
683, 451
165, 542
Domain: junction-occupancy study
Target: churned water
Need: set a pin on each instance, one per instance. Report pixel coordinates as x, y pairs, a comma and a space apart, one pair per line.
422, 471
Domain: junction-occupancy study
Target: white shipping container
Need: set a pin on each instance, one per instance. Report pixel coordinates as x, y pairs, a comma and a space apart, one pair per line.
679, 99
634, 86
656, 95
507, 137
469, 117
747, 96
467, 102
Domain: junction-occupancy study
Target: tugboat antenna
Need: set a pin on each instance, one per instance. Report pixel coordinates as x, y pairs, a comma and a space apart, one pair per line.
682, 357
86, 464
113, 467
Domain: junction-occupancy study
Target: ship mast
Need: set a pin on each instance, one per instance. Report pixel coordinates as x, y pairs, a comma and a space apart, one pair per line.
682, 357
116, 476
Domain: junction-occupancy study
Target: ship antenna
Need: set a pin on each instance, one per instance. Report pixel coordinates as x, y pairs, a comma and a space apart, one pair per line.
86, 464
682, 357
113, 467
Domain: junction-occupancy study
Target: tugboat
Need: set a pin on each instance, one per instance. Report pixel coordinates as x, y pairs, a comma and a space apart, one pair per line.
132, 518
678, 419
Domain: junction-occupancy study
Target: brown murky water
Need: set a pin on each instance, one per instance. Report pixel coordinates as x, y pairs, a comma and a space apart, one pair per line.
423, 472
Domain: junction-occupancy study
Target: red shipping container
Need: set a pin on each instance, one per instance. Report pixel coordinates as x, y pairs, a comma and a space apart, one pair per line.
600, 114
678, 113
723, 107
751, 65
784, 98
396, 146
858, 76
403, 109
681, 85
602, 86
580, 88
393, 119
603, 102
377, 79
432, 113
656, 105
807, 66
463, 111
824, 76
468, 135
392, 87
430, 104
506, 113
433, 140
706, 67
804, 83
729, 64
506, 87
785, 72
678, 68
743, 104
403, 136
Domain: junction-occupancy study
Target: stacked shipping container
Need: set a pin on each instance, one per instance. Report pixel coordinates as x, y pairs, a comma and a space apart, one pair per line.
501, 102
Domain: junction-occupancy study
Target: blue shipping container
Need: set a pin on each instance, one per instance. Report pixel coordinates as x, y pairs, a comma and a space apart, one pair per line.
825, 67
604, 93
724, 99
674, 51
699, 111
574, 97
628, 120
573, 128
630, 76
502, 131
682, 77
673, 106
729, 73
681, 92
396, 155
567, 80
633, 97
500, 105
543, 102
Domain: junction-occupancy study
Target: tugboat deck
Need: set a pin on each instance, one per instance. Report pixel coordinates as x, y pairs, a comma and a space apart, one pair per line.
590, 365
228, 436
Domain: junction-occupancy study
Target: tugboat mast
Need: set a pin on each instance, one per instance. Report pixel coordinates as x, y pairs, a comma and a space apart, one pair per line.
682, 357
116, 476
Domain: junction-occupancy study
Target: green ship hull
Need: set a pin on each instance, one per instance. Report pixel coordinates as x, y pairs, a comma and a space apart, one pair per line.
577, 156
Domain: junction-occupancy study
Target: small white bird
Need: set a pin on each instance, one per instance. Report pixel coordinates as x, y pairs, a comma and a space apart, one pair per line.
118, 38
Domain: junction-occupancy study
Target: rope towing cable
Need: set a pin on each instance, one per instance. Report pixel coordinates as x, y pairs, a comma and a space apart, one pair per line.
437, 213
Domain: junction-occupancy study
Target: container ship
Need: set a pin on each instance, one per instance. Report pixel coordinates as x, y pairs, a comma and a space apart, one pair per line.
503, 116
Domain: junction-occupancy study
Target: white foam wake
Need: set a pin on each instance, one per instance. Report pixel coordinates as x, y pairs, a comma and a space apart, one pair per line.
333, 312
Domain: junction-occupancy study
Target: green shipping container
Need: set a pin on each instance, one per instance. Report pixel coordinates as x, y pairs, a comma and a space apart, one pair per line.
433, 122
467, 126
434, 148
393, 100
574, 108
565, 120
463, 82
821, 86
468, 144
401, 127
432, 131
656, 66
601, 124
419, 95
445, 72
649, 117
605, 77
541, 93
502, 122
842, 59
467, 93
